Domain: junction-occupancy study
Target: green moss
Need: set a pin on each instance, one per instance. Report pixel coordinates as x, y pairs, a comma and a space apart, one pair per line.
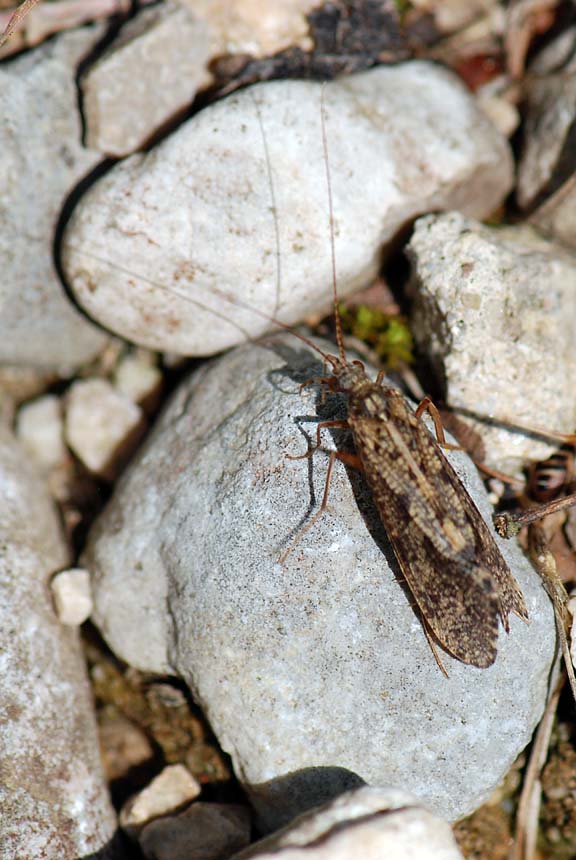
389, 336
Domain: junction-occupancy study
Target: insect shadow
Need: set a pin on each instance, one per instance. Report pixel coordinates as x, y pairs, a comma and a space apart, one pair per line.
304, 368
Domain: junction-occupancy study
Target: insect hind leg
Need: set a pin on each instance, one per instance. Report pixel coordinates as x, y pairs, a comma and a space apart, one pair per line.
346, 457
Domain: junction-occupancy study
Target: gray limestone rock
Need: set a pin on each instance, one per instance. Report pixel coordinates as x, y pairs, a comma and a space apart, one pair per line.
52, 794
494, 310
42, 160
188, 248
315, 674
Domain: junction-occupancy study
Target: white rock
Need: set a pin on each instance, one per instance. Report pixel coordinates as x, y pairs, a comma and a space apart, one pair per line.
98, 422
146, 76
204, 831
39, 326
256, 27
52, 795
495, 312
370, 823
137, 377
72, 596
165, 245
171, 789
40, 429
315, 674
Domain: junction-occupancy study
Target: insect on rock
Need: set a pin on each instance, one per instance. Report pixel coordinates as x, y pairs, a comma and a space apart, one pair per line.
449, 558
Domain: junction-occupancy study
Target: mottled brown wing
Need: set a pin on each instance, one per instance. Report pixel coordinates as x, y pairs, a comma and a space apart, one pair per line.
445, 550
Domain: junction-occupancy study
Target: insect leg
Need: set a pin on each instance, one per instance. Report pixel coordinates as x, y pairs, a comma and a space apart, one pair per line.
346, 457
318, 441
426, 405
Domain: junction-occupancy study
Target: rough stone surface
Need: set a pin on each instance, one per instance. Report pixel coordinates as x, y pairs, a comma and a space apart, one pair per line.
150, 73
495, 312
315, 674
370, 823
171, 789
40, 126
72, 596
52, 795
98, 423
233, 207
204, 831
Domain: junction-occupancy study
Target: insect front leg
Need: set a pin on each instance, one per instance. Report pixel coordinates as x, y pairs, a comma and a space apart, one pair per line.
318, 445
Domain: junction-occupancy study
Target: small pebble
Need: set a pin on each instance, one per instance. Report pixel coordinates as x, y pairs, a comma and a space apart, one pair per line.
171, 789
40, 428
99, 421
137, 377
72, 595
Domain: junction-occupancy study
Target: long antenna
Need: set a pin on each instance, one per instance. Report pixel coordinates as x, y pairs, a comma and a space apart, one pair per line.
230, 299
339, 338
273, 201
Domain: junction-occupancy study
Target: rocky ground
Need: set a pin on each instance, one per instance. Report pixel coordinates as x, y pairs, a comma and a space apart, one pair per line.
189, 672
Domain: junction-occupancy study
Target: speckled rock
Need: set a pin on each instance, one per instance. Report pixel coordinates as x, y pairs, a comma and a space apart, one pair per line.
52, 794
370, 823
41, 126
494, 310
233, 207
315, 674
